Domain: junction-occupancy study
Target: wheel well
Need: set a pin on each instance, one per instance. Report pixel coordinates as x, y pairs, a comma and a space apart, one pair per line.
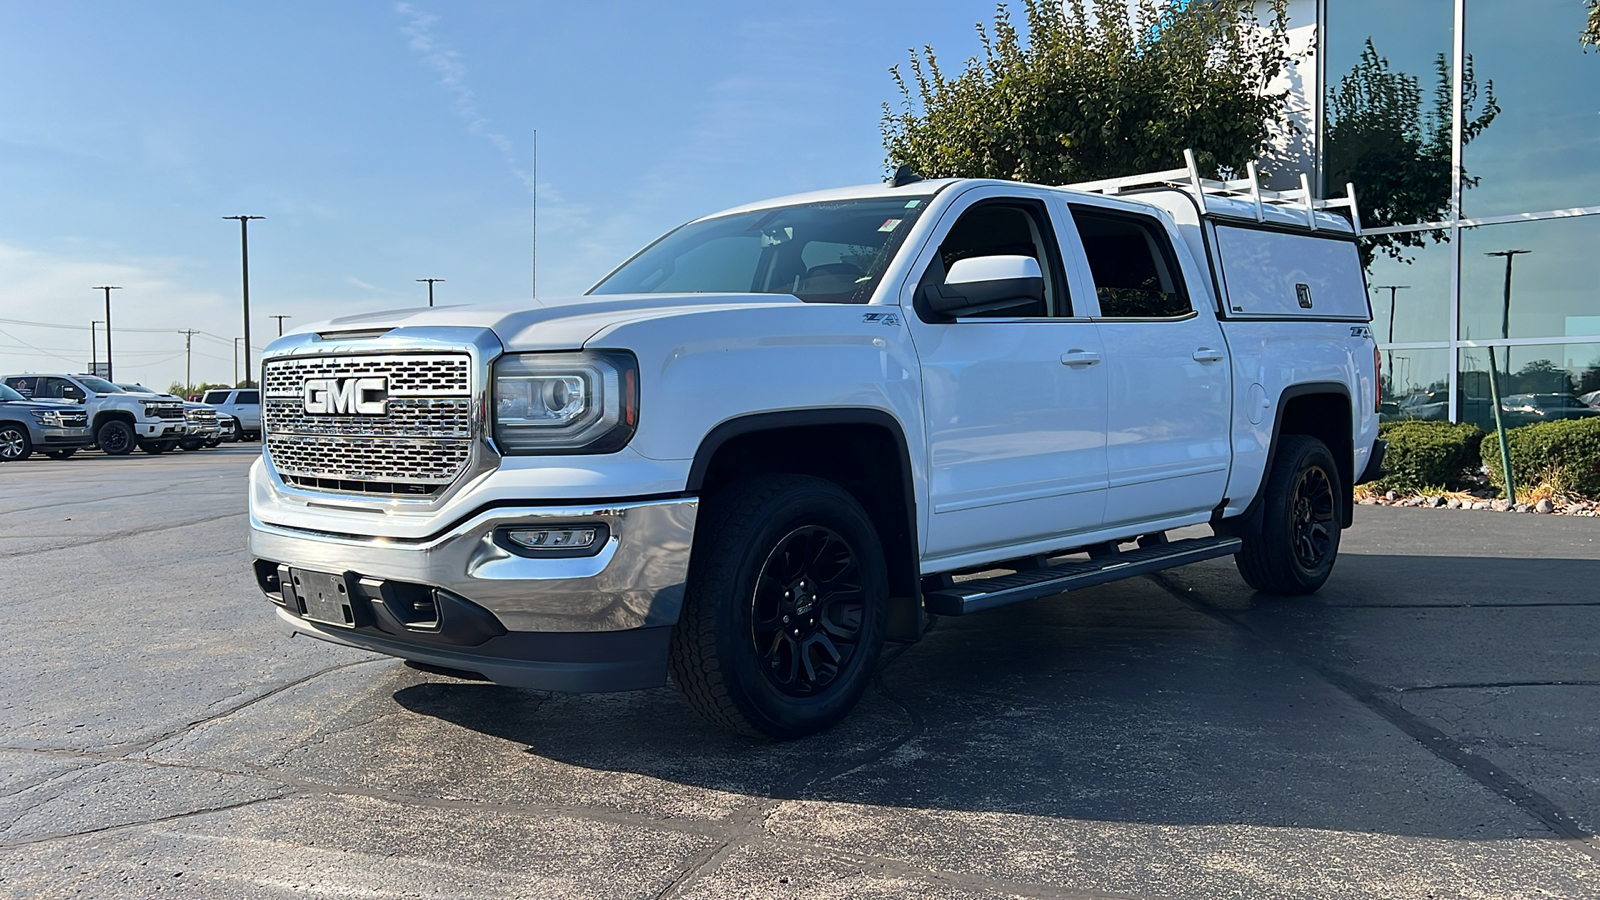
1324, 415
109, 415
865, 457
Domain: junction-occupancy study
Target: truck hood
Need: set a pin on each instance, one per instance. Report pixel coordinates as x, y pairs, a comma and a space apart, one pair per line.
564, 323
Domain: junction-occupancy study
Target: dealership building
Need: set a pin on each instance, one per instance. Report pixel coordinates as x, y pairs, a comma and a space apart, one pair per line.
1501, 265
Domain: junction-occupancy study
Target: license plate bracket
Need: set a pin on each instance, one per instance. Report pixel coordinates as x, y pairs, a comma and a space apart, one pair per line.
324, 597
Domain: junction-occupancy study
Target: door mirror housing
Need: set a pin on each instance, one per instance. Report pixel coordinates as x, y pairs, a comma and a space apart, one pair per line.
987, 284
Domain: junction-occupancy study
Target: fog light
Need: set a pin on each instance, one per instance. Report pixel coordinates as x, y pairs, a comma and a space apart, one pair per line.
554, 540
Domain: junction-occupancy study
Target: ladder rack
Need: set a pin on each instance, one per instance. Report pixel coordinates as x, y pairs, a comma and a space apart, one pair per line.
1246, 189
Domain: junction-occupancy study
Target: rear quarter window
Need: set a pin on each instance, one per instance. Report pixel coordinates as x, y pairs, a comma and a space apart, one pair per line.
248, 397
216, 398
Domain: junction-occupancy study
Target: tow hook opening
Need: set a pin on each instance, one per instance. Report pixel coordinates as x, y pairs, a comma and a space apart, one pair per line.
413, 605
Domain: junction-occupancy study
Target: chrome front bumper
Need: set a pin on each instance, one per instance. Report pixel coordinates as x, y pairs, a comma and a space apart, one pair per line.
635, 581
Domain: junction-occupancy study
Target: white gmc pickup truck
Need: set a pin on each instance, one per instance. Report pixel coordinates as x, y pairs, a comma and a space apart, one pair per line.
786, 433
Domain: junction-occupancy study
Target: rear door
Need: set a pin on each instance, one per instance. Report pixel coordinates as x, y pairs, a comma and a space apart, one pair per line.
1168, 379
1015, 399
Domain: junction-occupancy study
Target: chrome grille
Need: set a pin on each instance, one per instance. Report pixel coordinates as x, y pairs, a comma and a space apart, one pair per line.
201, 416
164, 411
421, 444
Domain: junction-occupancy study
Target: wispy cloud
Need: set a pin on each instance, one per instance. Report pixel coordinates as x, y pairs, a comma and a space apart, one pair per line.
446, 63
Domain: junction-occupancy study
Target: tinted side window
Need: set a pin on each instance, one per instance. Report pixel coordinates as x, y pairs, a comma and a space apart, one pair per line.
23, 386
1006, 228
249, 397
1135, 273
216, 398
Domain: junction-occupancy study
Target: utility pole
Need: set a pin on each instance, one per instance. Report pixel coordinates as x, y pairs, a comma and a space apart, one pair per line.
108, 288
431, 282
280, 322
188, 378
1494, 378
535, 229
94, 352
244, 260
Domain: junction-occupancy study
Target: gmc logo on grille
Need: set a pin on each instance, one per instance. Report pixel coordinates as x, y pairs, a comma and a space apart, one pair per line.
347, 396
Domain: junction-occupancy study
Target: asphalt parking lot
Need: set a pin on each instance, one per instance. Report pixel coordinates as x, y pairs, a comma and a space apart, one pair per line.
1426, 727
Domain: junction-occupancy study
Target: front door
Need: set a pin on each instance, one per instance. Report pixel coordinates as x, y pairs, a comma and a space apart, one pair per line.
1014, 399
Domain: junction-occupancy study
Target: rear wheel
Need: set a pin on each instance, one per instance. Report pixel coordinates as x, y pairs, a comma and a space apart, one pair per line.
1293, 550
783, 618
115, 438
61, 454
15, 445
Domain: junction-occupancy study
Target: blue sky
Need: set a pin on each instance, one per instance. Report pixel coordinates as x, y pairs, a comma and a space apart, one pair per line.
385, 142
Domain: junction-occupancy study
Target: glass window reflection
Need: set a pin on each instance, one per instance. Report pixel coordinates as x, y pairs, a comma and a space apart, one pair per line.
1536, 384
1416, 286
1539, 154
1554, 286
1416, 385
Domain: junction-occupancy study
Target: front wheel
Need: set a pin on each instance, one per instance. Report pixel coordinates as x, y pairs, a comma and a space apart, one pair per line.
1294, 548
15, 444
115, 438
783, 617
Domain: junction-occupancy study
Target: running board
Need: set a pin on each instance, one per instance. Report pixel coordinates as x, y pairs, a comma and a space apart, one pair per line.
987, 593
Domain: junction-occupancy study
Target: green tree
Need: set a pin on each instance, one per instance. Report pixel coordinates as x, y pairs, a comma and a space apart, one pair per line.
1591, 31
1397, 155
1095, 91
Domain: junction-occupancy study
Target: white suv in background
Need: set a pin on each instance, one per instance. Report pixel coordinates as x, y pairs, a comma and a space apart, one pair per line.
243, 406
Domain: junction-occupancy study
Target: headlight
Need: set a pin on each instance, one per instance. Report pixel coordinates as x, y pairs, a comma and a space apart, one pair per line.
586, 402
47, 417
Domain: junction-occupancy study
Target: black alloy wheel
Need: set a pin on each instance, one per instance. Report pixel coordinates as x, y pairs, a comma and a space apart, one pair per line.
15, 445
807, 611
1313, 519
115, 438
1293, 541
785, 608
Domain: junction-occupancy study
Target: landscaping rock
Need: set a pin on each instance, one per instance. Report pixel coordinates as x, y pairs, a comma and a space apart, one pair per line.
1454, 503
1391, 496
1501, 505
1544, 506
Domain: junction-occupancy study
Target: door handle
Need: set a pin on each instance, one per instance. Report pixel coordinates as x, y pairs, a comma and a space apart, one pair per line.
1206, 354
1079, 358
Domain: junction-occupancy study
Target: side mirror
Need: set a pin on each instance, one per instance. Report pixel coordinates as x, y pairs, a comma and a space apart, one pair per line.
987, 283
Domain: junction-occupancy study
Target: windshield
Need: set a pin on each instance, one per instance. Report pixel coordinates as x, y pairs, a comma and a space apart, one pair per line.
820, 252
7, 394
99, 385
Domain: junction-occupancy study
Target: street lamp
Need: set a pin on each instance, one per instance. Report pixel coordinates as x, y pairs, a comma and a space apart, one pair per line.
244, 259
108, 288
280, 323
430, 282
236, 361
1494, 378
1392, 289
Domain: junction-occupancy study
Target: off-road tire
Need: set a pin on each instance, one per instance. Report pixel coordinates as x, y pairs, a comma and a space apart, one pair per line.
714, 659
61, 454
115, 438
1294, 547
15, 445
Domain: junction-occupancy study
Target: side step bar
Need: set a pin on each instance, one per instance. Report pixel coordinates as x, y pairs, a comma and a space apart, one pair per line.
987, 593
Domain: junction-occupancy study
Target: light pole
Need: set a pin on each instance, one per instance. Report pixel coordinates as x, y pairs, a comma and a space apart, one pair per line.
236, 361
1392, 289
1494, 378
280, 323
108, 288
94, 352
431, 282
244, 262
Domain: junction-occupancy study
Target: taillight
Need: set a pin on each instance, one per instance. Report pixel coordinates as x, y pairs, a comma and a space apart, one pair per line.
1377, 379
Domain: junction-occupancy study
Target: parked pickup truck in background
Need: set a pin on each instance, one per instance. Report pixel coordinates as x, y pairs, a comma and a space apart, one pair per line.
786, 433
57, 430
203, 430
118, 420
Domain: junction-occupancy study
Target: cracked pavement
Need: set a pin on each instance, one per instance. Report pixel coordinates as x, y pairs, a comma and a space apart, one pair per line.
1426, 727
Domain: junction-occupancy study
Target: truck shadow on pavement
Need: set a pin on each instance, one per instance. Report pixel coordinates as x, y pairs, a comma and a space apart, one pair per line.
1134, 702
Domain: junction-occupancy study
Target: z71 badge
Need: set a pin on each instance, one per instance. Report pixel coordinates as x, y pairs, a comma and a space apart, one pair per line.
1360, 331
883, 318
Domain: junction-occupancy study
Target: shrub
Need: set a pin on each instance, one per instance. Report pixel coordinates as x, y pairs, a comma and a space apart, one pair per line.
1564, 453
1424, 454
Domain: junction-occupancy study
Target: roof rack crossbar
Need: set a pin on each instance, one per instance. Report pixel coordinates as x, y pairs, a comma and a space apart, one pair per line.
1248, 189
